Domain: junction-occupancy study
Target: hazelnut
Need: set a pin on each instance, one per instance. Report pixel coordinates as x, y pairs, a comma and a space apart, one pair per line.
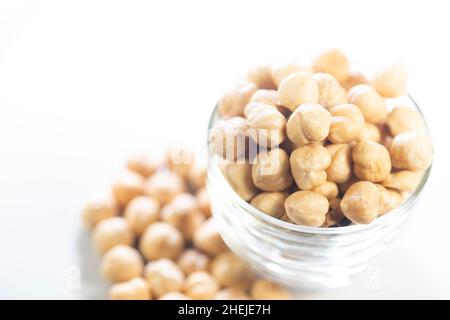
174, 296
230, 271
403, 180
307, 208
310, 122
233, 101
161, 240
370, 132
298, 88
121, 263
140, 213
200, 285
163, 186
239, 176
207, 238
411, 151
266, 290
134, 289
203, 203
360, 203
328, 189
343, 187
391, 81
269, 97
330, 91
334, 62
340, 169
193, 260
271, 171
228, 138
180, 161
404, 119
266, 126
354, 78
372, 105
98, 209
197, 177
164, 276
231, 294
371, 161
112, 232
387, 199
142, 164
334, 215
127, 186
262, 76
280, 72
271, 203
347, 122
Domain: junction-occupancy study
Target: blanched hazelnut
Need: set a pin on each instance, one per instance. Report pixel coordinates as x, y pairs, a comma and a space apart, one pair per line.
193, 260
197, 177
340, 169
271, 203
121, 263
98, 209
267, 290
164, 185
371, 161
334, 215
271, 171
391, 81
180, 160
200, 285
164, 276
298, 88
330, 91
233, 101
111, 232
370, 132
207, 238
174, 296
347, 122
307, 208
143, 164
228, 138
387, 199
134, 289
127, 186
182, 213
262, 76
280, 72
141, 212
328, 189
239, 176
354, 78
266, 126
269, 97
308, 165
360, 203
161, 240
411, 151
310, 122
403, 180
372, 105
231, 294
230, 271
334, 62
203, 203
404, 119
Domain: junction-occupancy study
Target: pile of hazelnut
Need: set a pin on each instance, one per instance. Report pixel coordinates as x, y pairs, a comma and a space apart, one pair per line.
160, 214
321, 145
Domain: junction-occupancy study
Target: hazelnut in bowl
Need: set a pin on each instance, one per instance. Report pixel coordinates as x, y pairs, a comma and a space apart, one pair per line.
313, 170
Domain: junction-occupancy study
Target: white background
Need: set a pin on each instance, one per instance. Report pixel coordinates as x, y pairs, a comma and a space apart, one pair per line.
85, 83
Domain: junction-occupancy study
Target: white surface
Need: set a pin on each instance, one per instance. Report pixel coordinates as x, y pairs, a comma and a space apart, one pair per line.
84, 83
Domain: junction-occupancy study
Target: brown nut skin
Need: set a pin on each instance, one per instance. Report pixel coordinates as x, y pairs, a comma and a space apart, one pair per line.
134, 289
387, 200
164, 276
267, 290
340, 169
328, 189
411, 151
231, 294
163, 186
143, 164
140, 213
307, 208
233, 101
98, 209
121, 263
370, 132
372, 105
334, 62
174, 296
298, 88
360, 203
404, 119
262, 76
330, 91
403, 180
271, 171
280, 72
334, 215
228, 138
200, 285
239, 176
193, 260
271, 203
180, 160
207, 238
266, 126
308, 165
127, 186
203, 203
347, 122
391, 81
230, 271
354, 78
310, 122
371, 161
161, 240
110, 233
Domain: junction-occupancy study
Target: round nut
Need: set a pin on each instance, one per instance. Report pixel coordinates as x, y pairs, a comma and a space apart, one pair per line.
121, 263
266, 290
142, 164
134, 289
334, 62
298, 88
174, 296
233, 101
271, 203
262, 76
180, 160
280, 72
387, 200
231, 294
228, 138
391, 81
343, 187
266, 126
197, 177
207, 238
269, 97
403, 180
347, 122
334, 215
127, 186
309, 123
360, 203
239, 176
163, 186
161, 240
140, 213
371, 161
307, 208
203, 203
330, 91
411, 151
271, 171
164, 276
193, 260
372, 105
340, 169
354, 78
404, 119
200, 285
230, 271
370, 132
99, 209
112, 232
328, 189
